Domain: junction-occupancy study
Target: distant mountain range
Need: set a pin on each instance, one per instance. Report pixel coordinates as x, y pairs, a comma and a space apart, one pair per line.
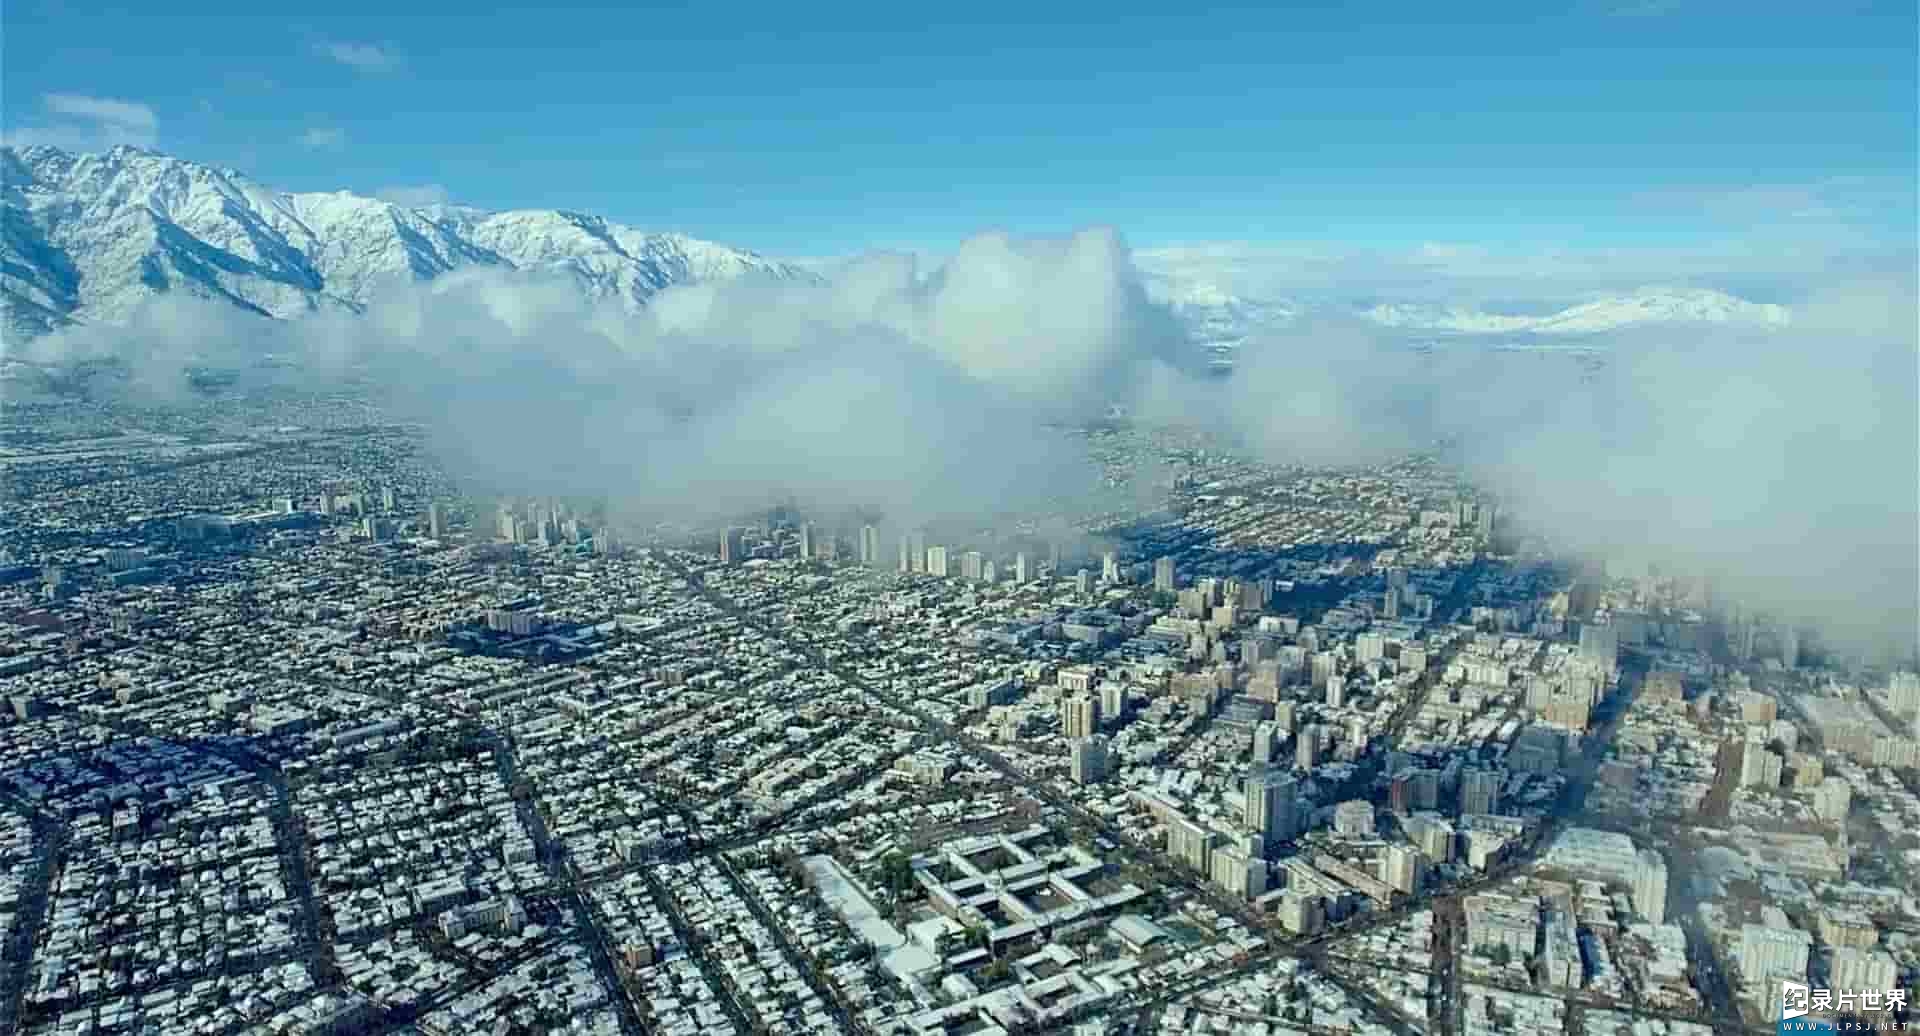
1646, 306
88, 237
1223, 321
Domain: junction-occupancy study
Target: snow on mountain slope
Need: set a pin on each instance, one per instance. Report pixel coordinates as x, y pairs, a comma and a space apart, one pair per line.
1646, 306
1216, 318
88, 237
1427, 317
1662, 306
1224, 321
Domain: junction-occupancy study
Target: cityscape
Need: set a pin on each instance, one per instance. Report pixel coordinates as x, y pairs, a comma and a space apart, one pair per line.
1070, 519
303, 739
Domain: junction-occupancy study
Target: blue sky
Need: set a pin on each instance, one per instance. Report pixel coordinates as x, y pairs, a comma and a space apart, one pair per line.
824, 129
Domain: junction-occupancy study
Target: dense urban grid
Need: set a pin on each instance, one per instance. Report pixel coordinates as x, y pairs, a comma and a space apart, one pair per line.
305, 737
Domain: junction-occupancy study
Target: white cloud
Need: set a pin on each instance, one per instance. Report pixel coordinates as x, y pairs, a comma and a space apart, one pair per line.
1779, 459
1783, 456
914, 393
1643, 8
129, 114
365, 56
77, 122
322, 138
414, 196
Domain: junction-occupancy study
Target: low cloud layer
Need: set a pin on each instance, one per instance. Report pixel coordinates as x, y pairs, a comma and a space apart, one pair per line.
921, 394
1783, 459
1780, 460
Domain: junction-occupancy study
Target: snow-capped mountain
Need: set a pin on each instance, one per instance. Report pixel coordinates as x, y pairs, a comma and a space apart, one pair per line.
1646, 306
1224, 320
1215, 318
88, 237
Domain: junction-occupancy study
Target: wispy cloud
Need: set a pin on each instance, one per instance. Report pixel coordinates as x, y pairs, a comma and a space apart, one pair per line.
1641, 8
369, 57
132, 115
414, 195
78, 122
323, 138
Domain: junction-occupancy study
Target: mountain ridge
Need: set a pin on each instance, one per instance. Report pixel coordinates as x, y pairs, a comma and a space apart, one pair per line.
89, 237
1652, 304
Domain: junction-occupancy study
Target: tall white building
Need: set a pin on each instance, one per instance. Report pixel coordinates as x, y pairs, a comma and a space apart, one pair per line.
973, 566
937, 561
1773, 948
1266, 742
1903, 693
1272, 803
1857, 969
1089, 760
1022, 569
1433, 835
1323, 667
1110, 568
1759, 766
1306, 749
1404, 868
1480, 791
1080, 716
1650, 886
1189, 843
1832, 799
1239, 871
1600, 645
869, 546
1302, 913
1163, 575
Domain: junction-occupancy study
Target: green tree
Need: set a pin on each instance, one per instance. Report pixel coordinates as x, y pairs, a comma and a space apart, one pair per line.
896, 873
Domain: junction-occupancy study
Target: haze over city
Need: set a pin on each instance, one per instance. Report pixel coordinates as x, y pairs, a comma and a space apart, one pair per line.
891, 521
